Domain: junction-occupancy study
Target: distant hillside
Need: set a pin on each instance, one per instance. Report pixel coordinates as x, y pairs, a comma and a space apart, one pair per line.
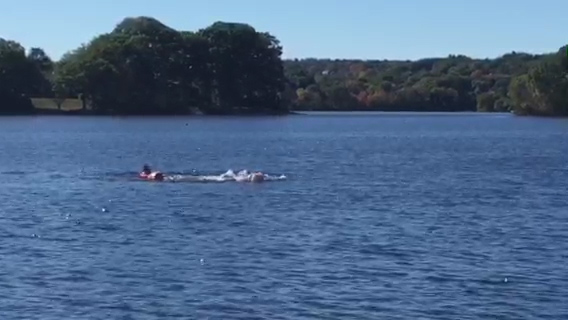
455, 83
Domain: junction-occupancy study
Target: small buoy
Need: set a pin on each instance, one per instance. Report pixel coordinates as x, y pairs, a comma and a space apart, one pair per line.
104, 210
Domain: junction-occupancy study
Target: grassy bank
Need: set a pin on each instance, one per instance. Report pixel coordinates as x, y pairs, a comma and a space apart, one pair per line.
58, 106
52, 106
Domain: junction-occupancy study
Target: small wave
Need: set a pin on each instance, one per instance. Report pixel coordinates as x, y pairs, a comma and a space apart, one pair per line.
230, 175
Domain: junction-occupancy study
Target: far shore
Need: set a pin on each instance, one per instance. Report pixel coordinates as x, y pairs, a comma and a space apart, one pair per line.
75, 107
87, 113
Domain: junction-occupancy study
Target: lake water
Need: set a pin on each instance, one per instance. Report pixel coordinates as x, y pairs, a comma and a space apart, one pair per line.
382, 216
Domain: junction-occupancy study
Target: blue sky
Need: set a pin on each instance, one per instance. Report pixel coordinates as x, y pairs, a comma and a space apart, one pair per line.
365, 29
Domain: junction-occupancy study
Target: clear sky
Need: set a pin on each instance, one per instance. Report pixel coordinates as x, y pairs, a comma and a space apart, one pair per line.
365, 29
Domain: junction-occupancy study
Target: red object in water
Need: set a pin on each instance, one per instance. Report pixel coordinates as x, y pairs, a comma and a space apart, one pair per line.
152, 176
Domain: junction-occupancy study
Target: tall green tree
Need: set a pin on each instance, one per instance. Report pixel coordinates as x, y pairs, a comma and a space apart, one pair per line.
145, 67
21, 77
543, 90
246, 67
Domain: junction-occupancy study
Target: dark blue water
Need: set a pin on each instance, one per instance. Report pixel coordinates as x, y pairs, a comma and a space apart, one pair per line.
396, 216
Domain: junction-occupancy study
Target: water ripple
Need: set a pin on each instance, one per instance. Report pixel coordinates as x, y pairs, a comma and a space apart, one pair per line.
404, 217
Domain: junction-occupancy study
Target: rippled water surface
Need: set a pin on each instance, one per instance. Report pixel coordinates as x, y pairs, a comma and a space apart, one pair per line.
382, 216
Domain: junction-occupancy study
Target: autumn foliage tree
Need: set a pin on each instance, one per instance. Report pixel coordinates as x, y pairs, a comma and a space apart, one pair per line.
520, 82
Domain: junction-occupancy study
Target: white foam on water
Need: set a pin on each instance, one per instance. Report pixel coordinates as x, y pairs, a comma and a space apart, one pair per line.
230, 175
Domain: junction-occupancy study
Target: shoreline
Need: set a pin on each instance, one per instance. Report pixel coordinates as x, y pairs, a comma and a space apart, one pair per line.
199, 114
83, 113
63, 113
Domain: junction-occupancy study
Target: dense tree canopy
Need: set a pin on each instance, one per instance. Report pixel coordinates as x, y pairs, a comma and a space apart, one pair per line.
22, 76
529, 84
145, 67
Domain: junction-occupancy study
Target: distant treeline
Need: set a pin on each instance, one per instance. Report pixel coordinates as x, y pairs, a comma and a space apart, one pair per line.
144, 67
519, 82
